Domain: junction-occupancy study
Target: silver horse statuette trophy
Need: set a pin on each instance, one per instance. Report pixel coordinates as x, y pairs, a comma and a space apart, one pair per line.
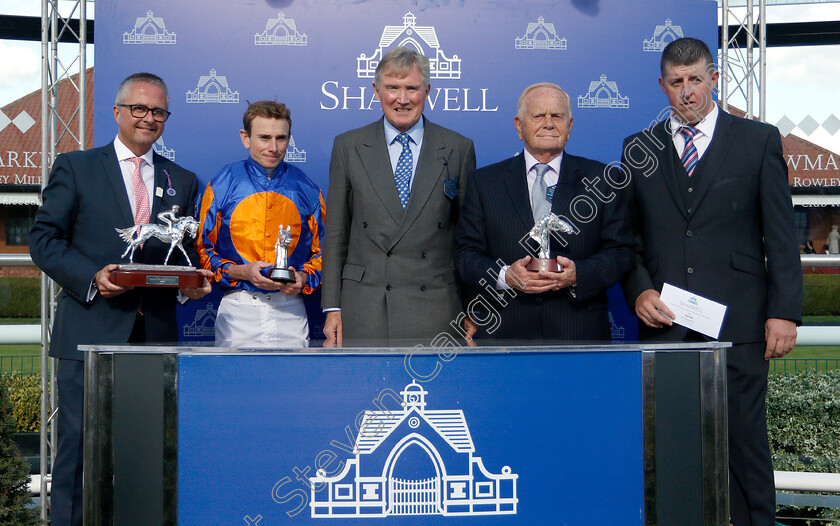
541, 233
172, 231
280, 271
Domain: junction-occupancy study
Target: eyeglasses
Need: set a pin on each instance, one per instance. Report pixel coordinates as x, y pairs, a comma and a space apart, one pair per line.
138, 111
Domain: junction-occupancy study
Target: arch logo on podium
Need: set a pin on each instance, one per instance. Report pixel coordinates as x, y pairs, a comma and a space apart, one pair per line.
413, 462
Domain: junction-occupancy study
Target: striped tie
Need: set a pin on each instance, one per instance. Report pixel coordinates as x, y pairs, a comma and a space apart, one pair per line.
689, 156
405, 165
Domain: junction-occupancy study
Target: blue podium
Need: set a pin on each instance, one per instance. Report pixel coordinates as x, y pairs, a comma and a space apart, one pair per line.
401, 434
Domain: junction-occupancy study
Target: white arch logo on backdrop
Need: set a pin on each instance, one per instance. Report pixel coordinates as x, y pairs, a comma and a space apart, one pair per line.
280, 31
603, 94
149, 29
662, 36
541, 35
212, 88
419, 38
293, 153
413, 462
160, 148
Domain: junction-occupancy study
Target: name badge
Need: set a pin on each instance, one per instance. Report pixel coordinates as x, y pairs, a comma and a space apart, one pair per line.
450, 188
549, 193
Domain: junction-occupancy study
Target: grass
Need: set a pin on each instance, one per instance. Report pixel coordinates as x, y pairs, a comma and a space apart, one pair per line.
20, 358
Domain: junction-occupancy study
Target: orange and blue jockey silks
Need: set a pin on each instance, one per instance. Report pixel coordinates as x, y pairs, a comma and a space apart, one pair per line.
241, 212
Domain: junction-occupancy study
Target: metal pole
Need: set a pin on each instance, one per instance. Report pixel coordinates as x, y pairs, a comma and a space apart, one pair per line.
724, 57
762, 44
750, 61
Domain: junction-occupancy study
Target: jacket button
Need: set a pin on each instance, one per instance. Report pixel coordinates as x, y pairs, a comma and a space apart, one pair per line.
364, 224
440, 226
388, 253
689, 233
690, 270
423, 255
423, 288
689, 210
387, 287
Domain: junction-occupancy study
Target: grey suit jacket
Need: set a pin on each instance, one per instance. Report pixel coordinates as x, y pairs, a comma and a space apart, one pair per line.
73, 237
390, 270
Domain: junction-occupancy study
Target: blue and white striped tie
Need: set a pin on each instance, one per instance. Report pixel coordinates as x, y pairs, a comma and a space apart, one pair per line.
689, 156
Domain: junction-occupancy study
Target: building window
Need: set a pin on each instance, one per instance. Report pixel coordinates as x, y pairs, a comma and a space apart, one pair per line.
800, 217
19, 219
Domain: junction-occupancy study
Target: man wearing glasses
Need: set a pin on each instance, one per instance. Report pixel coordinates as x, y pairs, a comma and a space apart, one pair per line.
90, 193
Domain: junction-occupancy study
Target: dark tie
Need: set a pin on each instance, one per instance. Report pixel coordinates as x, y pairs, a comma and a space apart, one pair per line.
402, 175
542, 206
689, 156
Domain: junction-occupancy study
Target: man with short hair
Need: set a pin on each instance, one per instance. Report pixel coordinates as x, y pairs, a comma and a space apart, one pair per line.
90, 193
396, 187
506, 199
710, 206
242, 212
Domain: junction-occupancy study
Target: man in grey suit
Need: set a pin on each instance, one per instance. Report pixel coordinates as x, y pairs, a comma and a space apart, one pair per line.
396, 186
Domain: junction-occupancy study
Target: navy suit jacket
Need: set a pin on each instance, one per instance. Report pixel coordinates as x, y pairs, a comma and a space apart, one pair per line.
73, 237
716, 247
497, 213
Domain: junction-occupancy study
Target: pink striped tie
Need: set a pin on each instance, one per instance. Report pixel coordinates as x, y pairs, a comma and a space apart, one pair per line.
141, 195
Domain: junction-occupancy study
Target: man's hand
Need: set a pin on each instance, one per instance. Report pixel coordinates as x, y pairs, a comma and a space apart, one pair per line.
649, 309
195, 293
565, 278
293, 289
781, 337
251, 272
470, 328
527, 281
332, 327
102, 281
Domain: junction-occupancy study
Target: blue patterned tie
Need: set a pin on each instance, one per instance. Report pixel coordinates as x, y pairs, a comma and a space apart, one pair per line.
402, 174
689, 156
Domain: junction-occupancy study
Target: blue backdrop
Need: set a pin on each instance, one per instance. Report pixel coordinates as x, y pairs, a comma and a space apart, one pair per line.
317, 57
568, 425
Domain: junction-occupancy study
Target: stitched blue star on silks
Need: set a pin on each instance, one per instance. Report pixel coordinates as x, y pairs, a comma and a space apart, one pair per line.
402, 174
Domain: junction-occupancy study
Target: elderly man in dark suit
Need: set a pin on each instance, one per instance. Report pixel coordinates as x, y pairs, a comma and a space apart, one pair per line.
396, 186
90, 193
711, 209
503, 202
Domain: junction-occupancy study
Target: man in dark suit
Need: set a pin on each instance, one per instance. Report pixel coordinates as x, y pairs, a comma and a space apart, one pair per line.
503, 202
90, 193
396, 186
711, 209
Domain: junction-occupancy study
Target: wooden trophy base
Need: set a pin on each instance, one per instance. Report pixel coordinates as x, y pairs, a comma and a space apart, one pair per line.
156, 276
538, 264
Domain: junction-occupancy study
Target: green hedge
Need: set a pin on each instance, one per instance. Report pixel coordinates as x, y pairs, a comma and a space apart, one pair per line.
25, 396
821, 295
803, 424
20, 297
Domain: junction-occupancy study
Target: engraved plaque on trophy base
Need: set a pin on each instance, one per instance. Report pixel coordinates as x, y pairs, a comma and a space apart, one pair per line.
156, 276
538, 264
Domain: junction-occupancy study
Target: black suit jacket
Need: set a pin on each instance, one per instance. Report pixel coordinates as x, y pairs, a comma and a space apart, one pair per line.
73, 237
497, 214
715, 246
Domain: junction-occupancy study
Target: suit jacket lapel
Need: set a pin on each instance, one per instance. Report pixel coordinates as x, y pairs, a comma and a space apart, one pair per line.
160, 182
564, 192
667, 168
431, 164
374, 155
111, 168
516, 186
715, 154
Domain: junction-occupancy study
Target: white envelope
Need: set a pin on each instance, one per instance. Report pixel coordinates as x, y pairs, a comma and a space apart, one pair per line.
695, 312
